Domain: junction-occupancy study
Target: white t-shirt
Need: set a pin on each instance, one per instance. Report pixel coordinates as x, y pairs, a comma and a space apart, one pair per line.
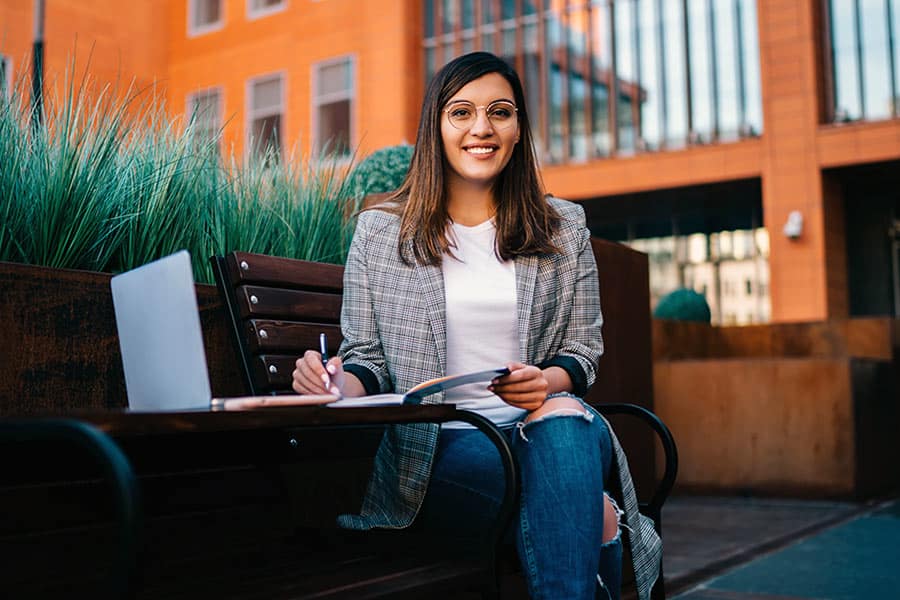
482, 327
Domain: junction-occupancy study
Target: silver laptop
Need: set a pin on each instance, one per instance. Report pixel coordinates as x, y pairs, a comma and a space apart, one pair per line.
160, 337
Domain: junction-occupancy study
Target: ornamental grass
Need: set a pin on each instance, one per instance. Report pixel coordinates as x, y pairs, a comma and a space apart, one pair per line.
110, 181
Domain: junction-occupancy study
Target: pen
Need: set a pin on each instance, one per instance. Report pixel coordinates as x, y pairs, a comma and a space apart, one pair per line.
323, 349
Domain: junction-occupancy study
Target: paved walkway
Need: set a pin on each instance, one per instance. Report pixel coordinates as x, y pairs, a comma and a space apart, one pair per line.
763, 549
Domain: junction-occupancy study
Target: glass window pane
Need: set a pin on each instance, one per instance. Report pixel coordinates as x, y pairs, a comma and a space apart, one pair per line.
207, 12
334, 78
651, 105
701, 72
533, 98
876, 70
428, 10
727, 70
266, 134
204, 110
753, 120
555, 48
601, 69
508, 9
487, 12
509, 44
676, 89
468, 14
262, 4
334, 126
450, 15
847, 103
576, 29
266, 95
430, 63
626, 73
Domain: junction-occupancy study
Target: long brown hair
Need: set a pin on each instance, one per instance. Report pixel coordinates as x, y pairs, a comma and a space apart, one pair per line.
524, 220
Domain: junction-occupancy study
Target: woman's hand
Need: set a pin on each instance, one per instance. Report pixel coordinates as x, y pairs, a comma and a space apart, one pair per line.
311, 377
525, 387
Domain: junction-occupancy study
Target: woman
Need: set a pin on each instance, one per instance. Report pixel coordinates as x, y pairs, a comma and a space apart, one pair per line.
467, 266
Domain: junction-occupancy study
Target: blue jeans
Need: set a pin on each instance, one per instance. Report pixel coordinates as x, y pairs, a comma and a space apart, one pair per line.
564, 460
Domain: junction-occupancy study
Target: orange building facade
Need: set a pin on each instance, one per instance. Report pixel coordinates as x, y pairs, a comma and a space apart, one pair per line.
299, 71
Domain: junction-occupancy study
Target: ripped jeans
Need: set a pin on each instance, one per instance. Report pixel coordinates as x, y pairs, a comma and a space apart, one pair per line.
564, 458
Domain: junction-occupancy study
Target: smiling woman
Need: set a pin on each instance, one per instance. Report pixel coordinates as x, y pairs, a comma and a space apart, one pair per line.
467, 266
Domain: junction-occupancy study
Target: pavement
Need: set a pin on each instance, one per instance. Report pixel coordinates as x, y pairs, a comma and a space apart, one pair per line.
719, 548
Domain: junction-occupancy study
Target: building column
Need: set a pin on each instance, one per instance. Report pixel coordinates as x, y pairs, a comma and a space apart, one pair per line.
808, 274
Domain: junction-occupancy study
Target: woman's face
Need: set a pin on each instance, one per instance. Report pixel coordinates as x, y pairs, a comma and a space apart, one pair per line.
479, 130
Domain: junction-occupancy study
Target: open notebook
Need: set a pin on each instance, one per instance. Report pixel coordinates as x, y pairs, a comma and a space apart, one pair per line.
163, 357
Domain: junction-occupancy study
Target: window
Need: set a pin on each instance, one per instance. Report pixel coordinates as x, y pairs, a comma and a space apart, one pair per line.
333, 97
265, 115
204, 109
5, 77
261, 8
204, 16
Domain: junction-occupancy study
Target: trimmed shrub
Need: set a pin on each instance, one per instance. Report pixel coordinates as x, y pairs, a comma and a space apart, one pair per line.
683, 305
380, 172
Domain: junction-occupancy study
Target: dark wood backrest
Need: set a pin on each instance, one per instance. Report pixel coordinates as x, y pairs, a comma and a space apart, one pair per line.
279, 306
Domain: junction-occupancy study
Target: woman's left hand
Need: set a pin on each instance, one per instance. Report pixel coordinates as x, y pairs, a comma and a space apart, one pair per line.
525, 387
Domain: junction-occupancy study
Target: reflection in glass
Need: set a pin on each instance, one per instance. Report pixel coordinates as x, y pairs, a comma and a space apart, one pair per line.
727, 69
702, 101
875, 70
753, 121
672, 72
847, 95
651, 107
865, 58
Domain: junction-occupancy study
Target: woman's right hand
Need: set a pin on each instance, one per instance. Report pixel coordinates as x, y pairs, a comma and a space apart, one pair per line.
311, 377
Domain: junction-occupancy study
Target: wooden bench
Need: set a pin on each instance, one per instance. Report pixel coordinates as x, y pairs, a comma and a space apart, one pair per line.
231, 505
279, 306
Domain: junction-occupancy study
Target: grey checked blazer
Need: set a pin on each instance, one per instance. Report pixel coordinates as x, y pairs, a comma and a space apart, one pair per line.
394, 331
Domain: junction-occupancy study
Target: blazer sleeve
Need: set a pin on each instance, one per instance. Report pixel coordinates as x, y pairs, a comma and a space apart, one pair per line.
582, 341
361, 350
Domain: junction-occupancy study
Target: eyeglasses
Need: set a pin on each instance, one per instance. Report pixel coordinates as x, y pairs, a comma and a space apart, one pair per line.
463, 114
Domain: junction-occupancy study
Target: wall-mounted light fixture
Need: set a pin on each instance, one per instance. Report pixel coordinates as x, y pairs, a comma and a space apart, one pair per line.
793, 227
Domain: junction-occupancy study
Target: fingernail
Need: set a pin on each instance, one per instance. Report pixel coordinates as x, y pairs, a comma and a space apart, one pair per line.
331, 369
334, 390
326, 380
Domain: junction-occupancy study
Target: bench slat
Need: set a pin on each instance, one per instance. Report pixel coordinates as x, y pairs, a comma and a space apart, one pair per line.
268, 336
261, 269
259, 301
273, 371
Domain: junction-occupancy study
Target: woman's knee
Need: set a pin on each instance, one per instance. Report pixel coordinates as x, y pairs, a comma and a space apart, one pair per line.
557, 405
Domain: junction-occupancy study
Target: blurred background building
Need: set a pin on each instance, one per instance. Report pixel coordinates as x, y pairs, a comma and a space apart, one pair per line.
750, 147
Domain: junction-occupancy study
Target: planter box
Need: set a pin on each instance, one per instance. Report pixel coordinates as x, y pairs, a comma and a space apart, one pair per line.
800, 409
59, 350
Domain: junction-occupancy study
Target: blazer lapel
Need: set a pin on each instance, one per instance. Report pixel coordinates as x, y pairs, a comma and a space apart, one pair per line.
526, 274
432, 280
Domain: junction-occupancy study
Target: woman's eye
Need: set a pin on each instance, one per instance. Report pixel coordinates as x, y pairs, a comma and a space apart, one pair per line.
501, 113
460, 113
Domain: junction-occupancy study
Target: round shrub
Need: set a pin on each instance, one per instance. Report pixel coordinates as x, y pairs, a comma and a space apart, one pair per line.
380, 172
683, 305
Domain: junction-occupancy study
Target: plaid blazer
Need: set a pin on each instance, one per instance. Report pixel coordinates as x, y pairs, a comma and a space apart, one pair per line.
394, 329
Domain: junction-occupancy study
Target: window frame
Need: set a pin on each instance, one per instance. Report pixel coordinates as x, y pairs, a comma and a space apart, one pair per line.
251, 114
220, 104
259, 13
196, 31
318, 102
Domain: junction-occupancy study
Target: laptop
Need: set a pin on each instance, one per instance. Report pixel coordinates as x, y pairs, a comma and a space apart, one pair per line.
162, 345
160, 337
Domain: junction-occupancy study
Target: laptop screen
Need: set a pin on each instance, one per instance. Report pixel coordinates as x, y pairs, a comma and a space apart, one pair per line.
160, 337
